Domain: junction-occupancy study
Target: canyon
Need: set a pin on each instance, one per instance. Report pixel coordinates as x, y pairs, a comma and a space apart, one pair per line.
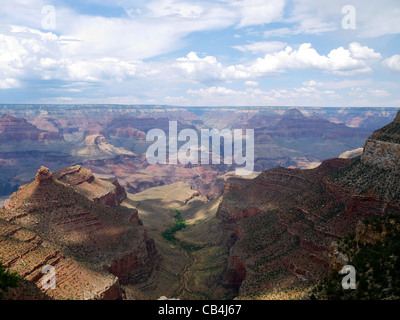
80, 195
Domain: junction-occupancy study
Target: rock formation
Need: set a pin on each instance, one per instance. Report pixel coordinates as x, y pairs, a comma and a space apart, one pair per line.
43, 175
56, 224
18, 129
97, 190
382, 149
283, 222
96, 147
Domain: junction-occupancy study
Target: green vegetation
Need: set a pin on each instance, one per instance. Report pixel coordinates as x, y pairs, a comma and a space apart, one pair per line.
377, 265
364, 179
169, 234
7, 280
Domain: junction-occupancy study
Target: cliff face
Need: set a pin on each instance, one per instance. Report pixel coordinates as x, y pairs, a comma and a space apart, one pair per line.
382, 149
284, 221
384, 155
111, 242
18, 129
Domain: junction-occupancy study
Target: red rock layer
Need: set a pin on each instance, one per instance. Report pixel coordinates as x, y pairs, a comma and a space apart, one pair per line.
110, 241
18, 129
284, 221
97, 190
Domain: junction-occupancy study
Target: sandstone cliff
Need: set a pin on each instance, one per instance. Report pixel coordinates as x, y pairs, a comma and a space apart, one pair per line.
87, 242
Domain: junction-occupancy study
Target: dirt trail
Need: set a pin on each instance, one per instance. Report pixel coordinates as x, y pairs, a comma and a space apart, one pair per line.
185, 273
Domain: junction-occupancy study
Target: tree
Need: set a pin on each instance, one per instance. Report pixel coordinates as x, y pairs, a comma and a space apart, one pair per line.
7, 280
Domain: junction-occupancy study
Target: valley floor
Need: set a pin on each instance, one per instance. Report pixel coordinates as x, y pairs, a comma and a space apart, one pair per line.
192, 266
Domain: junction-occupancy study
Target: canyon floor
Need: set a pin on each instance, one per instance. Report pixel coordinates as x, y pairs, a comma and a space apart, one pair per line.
191, 267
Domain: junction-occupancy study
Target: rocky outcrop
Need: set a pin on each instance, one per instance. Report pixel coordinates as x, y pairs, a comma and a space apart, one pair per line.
365, 233
95, 189
382, 149
135, 267
95, 147
112, 242
382, 154
43, 175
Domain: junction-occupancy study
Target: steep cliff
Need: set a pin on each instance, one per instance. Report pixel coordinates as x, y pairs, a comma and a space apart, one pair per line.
18, 129
382, 149
283, 222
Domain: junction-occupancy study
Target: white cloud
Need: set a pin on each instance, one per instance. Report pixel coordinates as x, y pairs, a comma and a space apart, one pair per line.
251, 83
178, 9
262, 47
200, 69
256, 97
312, 83
373, 18
362, 52
8, 83
338, 61
208, 69
393, 63
378, 93
30, 54
21, 53
255, 12
213, 91
115, 52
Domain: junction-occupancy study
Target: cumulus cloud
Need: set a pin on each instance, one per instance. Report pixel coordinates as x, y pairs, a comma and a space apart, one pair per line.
21, 51
393, 63
27, 54
339, 61
91, 49
208, 69
363, 52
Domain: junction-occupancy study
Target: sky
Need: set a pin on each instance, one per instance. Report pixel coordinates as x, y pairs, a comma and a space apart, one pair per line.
333, 53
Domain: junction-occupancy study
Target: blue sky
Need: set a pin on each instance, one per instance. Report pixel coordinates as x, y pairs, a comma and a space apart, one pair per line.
201, 53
